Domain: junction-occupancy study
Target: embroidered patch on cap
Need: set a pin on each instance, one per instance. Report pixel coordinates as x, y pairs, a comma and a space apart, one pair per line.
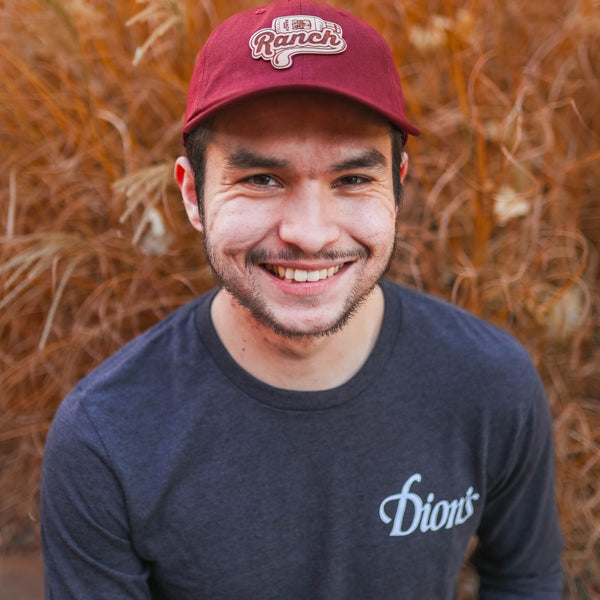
297, 34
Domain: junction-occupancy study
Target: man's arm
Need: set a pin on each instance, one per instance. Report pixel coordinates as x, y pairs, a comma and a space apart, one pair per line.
520, 544
85, 535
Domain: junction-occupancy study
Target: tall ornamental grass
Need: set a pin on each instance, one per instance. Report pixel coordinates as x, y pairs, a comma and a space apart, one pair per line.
501, 211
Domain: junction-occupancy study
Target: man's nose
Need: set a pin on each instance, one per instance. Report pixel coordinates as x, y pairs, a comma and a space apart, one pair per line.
309, 219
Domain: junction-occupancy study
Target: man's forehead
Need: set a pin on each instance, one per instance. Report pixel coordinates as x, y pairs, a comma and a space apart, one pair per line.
306, 136
298, 128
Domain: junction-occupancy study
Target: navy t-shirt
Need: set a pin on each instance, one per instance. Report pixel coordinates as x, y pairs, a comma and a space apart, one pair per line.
172, 473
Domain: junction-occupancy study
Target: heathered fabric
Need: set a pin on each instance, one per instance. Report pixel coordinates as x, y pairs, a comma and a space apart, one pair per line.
171, 473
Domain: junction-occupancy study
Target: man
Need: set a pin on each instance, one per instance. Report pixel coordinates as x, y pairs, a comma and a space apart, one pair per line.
307, 430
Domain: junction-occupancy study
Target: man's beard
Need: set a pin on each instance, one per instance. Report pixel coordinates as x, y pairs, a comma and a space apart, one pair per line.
257, 306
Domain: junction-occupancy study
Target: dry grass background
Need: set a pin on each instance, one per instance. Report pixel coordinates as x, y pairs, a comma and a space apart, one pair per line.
502, 208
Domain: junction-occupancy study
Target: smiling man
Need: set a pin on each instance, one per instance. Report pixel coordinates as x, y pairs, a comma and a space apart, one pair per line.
308, 429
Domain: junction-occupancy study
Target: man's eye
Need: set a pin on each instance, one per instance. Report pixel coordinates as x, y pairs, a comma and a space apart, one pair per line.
261, 180
351, 180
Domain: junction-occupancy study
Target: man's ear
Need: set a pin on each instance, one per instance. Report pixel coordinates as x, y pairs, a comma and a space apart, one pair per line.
184, 176
404, 167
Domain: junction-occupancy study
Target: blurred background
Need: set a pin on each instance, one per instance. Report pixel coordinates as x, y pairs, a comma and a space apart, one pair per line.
501, 213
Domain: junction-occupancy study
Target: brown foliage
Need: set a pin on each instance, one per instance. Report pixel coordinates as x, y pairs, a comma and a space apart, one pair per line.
501, 216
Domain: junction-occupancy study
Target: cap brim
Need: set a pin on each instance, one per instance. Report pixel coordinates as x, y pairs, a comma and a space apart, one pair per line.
211, 109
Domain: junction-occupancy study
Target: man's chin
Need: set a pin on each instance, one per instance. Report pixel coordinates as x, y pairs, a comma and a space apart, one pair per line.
295, 329
295, 333
302, 327
310, 318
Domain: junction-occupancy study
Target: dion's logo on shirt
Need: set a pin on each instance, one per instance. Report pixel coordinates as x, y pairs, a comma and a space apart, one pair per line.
407, 511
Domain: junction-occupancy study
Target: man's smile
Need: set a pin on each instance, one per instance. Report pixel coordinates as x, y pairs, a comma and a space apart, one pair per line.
300, 275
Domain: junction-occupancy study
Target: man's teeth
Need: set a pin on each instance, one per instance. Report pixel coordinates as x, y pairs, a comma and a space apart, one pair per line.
301, 275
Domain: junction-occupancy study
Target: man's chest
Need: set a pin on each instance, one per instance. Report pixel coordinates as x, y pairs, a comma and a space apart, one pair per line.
299, 514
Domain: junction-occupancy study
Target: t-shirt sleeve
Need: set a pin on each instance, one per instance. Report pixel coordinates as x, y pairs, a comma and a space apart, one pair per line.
520, 544
86, 541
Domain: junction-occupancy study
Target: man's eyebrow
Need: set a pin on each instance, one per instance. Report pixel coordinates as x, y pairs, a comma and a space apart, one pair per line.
245, 159
368, 160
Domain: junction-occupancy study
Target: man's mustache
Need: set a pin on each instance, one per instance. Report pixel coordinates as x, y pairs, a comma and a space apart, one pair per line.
257, 256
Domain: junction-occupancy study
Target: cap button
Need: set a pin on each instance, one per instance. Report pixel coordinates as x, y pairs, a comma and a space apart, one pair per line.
260, 11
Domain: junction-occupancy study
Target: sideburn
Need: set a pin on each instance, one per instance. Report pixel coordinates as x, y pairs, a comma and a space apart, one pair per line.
196, 144
398, 143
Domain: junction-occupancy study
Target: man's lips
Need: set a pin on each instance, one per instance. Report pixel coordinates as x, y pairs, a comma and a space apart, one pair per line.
300, 275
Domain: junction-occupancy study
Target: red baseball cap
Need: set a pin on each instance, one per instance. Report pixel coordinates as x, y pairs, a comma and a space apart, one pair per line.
295, 45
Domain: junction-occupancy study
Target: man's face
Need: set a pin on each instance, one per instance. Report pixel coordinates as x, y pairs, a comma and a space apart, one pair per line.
299, 211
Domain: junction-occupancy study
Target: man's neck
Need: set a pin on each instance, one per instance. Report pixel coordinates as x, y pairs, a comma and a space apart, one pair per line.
307, 364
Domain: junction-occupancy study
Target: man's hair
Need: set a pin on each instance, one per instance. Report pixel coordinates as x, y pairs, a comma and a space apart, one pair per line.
197, 141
